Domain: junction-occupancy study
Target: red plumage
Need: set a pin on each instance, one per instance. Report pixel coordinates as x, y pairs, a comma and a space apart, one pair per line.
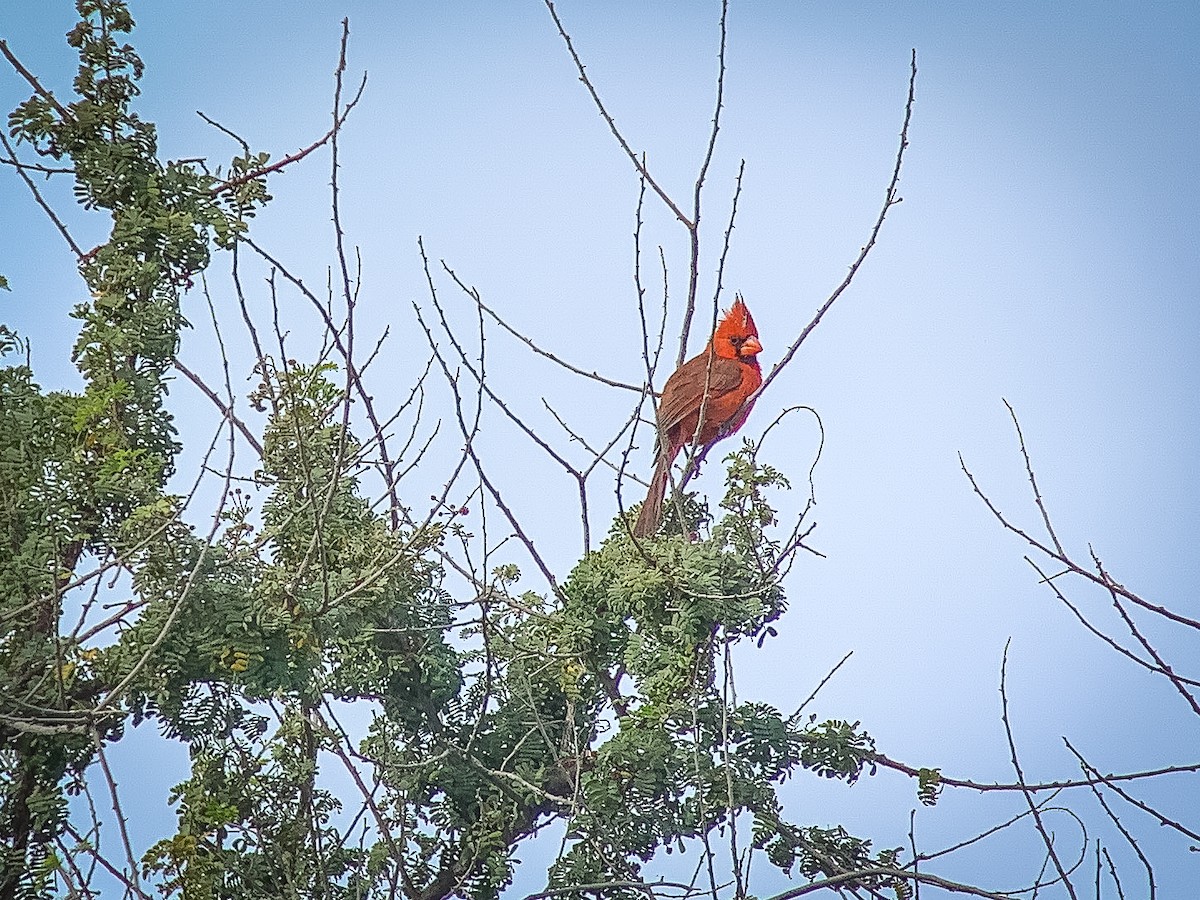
728, 368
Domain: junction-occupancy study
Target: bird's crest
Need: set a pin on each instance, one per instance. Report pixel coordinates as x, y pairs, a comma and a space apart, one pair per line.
735, 329
736, 322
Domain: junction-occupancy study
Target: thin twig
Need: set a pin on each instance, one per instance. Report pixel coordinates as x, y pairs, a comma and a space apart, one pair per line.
238, 181
697, 192
1068, 562
46, 95
1089, 771
1163, 667
1143, 806
1037, 494
1047, 839
1033, 787
1049, 581
134, 882
37, 167
891, 198
469, 451
41, 201
824, 681
850, 879
226, 411
638, 164
540, 351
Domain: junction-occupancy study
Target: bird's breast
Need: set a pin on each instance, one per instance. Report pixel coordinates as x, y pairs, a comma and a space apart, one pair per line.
723, 411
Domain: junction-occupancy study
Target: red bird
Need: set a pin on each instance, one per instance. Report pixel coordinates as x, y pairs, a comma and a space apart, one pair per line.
729, 368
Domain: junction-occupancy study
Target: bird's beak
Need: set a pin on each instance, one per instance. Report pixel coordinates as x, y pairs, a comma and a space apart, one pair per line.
751, 346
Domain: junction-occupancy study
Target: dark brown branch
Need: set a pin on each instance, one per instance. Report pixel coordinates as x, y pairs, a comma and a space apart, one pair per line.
889, 763
891, 198
824, 681
479, 378
46, 95
650, 889
638, 164
87, 845
119, 815
245, 144
1112, 871
226, 412
1047, 839
41, 201
36, 167
338, 121
983, 835
849, 879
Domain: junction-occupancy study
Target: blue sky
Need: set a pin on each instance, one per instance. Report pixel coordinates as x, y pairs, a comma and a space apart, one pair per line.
1044, 253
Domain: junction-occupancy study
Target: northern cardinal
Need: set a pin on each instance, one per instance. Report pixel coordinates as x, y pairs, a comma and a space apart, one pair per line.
729, 368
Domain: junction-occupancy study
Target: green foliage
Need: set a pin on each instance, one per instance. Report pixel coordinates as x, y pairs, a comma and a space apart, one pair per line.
837, 749
40, 525
604, 704
164, 217
929, 785
77, 470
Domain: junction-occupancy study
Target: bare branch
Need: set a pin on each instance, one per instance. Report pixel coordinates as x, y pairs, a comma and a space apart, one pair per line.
37, 167
891, 198
1129, 798
528, 342
1115, 819
469, 450
1047, 839
134, 882
1163, 667
888, 763
694, 226
1049, 580
824, 681
1071, 564
835, 882
46, 95
638, 164
1037, 494
226, 411
37, 196
339, 119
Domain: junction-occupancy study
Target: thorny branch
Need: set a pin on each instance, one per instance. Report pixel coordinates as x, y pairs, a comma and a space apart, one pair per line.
341, 338
638, 163
1039, 824
1070, 564
890, 199
341, 113
1093, 779
887, 762
46, 95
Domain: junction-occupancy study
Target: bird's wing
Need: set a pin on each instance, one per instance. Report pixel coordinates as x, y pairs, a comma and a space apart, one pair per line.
683, 390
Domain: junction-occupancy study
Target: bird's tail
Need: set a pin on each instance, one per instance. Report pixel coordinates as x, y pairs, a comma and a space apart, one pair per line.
651, 515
